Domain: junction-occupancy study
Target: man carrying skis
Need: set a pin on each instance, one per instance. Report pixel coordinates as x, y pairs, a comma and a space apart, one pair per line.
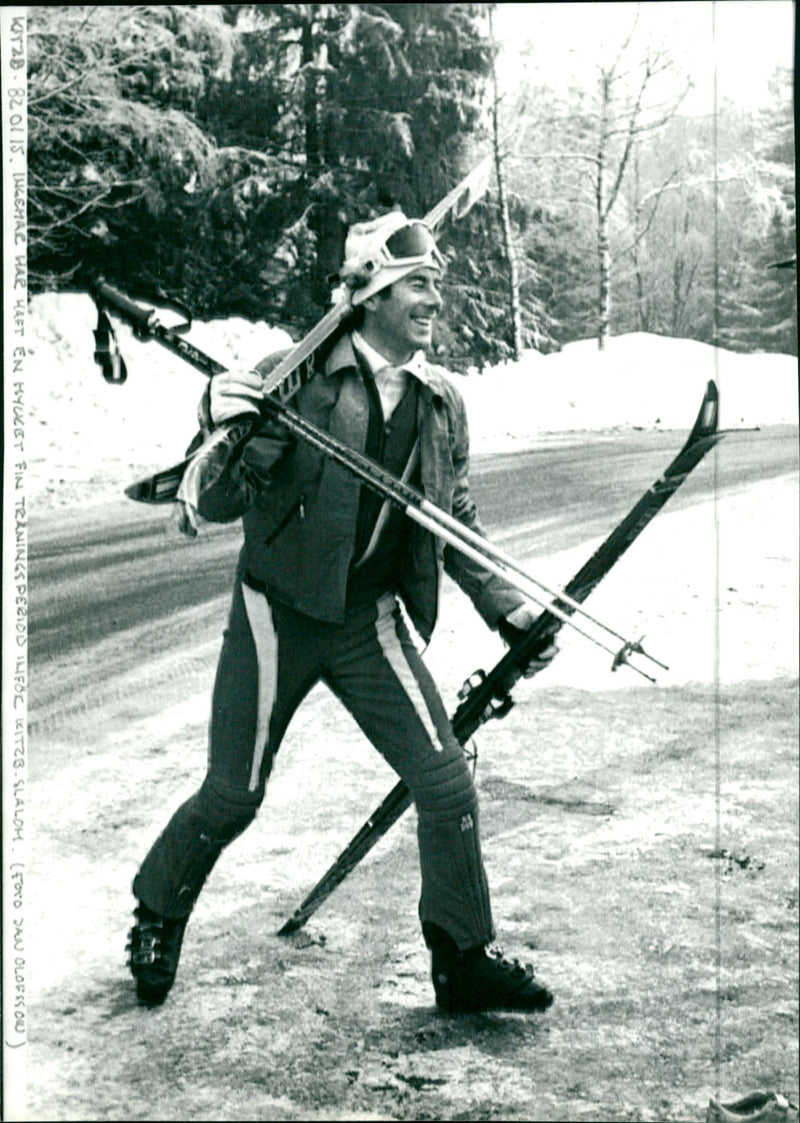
323, 572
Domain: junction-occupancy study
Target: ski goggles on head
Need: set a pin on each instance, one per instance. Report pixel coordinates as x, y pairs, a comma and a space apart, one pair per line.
411, 244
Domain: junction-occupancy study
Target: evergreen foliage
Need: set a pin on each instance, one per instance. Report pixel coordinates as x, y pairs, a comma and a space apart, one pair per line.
219, 152
759, 302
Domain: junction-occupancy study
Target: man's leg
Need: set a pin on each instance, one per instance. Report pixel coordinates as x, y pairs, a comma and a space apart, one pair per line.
382, 679
379, 675
180, 860
260, 681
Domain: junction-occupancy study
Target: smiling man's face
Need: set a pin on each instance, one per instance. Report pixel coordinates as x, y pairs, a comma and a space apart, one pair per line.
399, 320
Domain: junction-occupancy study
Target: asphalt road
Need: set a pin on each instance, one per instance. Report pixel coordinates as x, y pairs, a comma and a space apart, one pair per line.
100, 571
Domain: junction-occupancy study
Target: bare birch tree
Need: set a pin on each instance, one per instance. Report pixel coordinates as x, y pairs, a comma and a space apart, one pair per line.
625, 114
595, 137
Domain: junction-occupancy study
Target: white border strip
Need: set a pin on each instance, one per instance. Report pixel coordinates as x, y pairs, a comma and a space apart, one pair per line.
16, 809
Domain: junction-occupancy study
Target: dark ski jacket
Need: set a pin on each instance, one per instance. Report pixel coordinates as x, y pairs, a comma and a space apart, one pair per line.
280, 480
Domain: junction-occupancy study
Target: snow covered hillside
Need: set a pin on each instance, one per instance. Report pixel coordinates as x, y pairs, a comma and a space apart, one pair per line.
86, 440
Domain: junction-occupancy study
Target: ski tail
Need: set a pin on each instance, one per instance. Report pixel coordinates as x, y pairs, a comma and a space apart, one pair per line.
394, 805
200, 469
162, 487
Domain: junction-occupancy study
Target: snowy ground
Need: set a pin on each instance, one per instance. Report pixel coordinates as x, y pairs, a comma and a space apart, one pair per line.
624, 920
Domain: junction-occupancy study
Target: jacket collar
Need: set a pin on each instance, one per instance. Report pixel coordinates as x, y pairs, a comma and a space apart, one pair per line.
343, 355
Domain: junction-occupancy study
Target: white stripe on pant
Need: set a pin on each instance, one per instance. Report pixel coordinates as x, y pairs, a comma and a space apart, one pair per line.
265, 638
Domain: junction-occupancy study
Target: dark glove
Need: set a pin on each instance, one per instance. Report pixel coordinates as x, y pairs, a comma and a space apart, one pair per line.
514, 626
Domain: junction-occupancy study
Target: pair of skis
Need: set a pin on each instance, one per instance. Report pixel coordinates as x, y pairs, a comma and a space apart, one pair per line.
484, 695
282, 383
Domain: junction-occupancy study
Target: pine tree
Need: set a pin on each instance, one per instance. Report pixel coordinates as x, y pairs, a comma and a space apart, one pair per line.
758, 303
220, 152
113, 149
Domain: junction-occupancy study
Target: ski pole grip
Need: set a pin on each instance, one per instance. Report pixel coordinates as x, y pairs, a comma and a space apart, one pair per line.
139, 318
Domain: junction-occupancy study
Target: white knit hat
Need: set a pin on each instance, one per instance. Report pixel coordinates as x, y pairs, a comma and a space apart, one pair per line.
371, 265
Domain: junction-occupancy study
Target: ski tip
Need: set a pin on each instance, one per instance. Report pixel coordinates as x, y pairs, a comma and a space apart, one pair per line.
138, 491
708, 417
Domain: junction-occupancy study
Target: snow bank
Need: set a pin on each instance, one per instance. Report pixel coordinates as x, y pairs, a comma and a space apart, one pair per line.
639, 380
87, 439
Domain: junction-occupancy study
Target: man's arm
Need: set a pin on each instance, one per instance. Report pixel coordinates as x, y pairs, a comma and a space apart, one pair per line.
238, 393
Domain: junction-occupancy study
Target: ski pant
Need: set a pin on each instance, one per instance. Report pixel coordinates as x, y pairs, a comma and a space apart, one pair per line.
271, 657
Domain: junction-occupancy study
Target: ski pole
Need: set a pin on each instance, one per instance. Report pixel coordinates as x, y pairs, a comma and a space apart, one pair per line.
413, 503
412, 498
